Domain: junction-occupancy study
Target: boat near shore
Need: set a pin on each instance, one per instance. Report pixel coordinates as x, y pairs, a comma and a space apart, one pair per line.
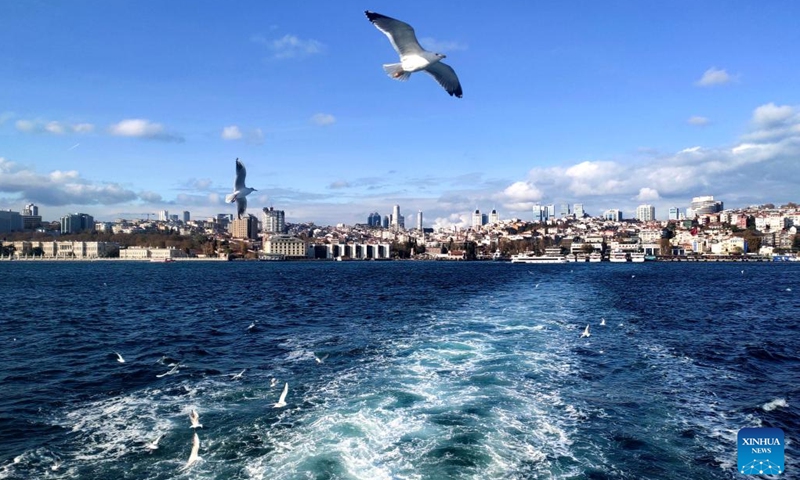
529, 257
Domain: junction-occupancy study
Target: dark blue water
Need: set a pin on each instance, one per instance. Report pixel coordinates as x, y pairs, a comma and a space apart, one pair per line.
430, 370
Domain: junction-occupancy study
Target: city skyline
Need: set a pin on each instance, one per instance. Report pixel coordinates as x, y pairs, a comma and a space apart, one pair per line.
101, 118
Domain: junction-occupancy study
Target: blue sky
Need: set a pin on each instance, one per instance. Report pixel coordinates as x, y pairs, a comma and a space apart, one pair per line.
119, 108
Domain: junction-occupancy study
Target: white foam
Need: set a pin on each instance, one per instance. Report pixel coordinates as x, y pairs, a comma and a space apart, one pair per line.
778, 402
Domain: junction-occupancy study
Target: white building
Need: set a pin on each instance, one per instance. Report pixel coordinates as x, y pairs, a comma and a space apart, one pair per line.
284, 245
494, 217
645, 213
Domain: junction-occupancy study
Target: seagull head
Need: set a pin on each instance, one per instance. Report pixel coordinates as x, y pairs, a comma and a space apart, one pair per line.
441, 55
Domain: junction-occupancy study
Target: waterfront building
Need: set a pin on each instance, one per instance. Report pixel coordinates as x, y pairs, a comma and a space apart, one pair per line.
357, 251
76, 222
284, 246
147, 253
645, 213
10, 221
274, 221
246, 227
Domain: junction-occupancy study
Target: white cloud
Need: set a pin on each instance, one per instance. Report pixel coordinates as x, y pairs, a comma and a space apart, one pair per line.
339, 184
647, 194
290, 46
141, 128
770, 114
323, 119
231, 133
59, 187
52, 127
714, 76
698, 120
455, 220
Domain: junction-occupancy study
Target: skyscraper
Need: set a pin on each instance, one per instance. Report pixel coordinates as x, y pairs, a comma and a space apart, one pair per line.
613, 215
540, 213
396, 221
494, 217
385, 223
705, 205
163, 215
645, 213
186, 216
419, 220
30, 209
76, 222
565, 211
374, 219
477, 219
674, 213
579, 213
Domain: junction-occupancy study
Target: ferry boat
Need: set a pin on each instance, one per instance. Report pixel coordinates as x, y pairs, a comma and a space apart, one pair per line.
529, 257
161, 260
637, 257
595, 257
618, 257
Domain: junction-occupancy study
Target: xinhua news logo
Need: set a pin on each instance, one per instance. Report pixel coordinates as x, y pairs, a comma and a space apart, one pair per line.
760, 451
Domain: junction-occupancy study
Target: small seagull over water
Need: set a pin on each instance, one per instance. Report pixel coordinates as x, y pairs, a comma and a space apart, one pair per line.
273, 381
240, 191
282, 400
320, 359
238, 376
586, 332
154, 444
414, 58
193, 457
195, 419
119, 358
603, 321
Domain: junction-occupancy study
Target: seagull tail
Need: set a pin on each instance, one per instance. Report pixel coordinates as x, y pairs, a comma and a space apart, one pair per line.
395, 70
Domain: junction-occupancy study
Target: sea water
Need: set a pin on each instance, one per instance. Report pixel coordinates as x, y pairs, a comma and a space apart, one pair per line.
395, 370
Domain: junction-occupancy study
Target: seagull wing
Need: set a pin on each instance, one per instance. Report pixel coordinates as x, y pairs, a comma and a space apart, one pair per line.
446, 76
283, 393
241, 206
193, 457
240, 174
400, 33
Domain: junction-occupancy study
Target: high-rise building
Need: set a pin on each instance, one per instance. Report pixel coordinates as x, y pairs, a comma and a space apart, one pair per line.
613, 215
645, 213
565, 211
396, 217
540, 213
385, 223
675, 213
76, 222
186, 216
494, 217
30, 209
477, 219
705, 205
374, 219
551, 211
274, 221
163, 215
579, 212
10, 221
419, 220
246, 227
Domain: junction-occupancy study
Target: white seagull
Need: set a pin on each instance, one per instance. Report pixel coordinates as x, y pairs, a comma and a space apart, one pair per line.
237, 376
414, 58
154, 444
320, 359
119, 358
193, 457
586, 332
603, 321
282, 400
240, 191
195, 419
273, 382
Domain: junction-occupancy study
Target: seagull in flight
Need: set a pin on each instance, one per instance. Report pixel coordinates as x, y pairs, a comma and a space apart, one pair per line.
238, 376
195, 419
119, 358
193, 457
154, 444
282, 401
321, 359
414, 58
240, 191
603, 321
586, 332
273, 381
